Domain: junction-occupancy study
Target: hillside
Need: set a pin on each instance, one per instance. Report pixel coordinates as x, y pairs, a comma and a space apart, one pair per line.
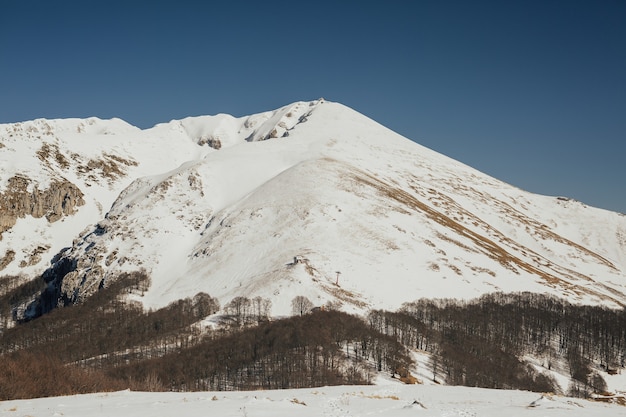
312, 199
180, 247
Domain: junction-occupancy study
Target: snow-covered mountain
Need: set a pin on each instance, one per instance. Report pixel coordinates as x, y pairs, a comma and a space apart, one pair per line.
312, 199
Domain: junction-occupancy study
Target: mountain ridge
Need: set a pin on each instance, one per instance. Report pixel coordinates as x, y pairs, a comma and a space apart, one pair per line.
311, 199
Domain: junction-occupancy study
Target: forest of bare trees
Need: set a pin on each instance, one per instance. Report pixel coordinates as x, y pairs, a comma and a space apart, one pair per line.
243, 310
323, 348
481, 342
108, 343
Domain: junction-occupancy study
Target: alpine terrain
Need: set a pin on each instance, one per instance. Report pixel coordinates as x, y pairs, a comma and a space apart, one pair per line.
187, 256
312, 199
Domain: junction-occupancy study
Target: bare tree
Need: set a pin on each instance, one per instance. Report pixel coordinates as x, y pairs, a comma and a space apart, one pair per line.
204, 305
239, 308
301, 305
261, 308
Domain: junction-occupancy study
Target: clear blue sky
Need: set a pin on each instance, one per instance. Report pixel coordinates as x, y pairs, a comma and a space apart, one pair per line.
530, 92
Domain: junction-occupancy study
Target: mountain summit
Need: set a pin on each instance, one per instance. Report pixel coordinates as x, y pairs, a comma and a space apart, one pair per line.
312, 199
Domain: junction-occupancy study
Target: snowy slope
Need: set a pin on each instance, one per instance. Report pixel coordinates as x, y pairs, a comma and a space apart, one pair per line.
275, 204
382, 400
101, 158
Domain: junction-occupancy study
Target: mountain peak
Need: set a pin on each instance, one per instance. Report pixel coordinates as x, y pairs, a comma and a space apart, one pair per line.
223, 205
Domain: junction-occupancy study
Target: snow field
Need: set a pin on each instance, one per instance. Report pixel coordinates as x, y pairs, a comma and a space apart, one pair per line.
390, 400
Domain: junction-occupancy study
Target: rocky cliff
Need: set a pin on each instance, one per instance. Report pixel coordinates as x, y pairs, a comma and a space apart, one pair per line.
21, 198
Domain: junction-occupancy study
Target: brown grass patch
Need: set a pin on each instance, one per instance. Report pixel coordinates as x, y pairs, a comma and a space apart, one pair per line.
344, 295
486, 245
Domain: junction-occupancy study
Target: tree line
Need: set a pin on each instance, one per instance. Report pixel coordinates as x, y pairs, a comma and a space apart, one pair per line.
481, 342
321, 348
106, 342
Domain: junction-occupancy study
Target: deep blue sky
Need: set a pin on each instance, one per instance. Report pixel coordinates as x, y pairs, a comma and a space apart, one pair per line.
530, 92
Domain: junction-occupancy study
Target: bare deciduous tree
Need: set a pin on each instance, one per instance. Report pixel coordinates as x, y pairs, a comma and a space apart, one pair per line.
301, 305
239, 307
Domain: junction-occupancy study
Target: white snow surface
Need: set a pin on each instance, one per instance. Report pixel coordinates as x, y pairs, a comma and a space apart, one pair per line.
314, 181
382, 400
373, 219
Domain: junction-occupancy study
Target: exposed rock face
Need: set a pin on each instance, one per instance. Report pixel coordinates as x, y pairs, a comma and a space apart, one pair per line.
7, 259
34, 256
211, 141
60, 199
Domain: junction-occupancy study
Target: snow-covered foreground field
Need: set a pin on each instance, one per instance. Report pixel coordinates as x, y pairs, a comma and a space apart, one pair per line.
385, 400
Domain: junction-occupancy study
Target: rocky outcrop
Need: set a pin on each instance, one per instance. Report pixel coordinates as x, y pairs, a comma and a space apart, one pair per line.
34, 257
60, 199
7, 259
211, 141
